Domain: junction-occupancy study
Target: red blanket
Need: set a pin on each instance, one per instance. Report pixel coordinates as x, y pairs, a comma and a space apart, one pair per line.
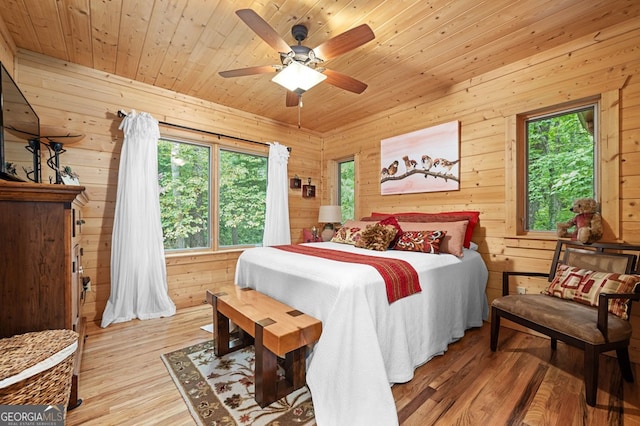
400, 278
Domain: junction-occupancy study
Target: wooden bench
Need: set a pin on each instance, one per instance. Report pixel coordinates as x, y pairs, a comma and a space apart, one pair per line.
275, 329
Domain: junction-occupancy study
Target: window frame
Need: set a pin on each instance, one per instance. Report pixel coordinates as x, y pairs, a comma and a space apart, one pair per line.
215, 143
212, 159
607, 173
339, 183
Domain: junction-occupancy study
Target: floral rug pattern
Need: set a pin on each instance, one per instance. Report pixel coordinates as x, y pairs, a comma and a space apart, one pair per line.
219, 391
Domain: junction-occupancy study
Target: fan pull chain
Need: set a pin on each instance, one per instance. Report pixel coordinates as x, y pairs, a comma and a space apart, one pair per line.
299, 108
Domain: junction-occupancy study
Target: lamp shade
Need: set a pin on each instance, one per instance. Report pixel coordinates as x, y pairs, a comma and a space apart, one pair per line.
330, 214
296, 77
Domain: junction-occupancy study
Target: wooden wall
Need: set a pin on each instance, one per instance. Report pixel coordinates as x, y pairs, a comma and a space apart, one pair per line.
85, 100
589, 66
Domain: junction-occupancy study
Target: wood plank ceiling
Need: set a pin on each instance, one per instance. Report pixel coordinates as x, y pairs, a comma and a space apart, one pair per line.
421, 49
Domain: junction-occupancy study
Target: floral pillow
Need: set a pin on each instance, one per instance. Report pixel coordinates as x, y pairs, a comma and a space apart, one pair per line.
377, 237
452, 242
421, 241
584, 286
347, 235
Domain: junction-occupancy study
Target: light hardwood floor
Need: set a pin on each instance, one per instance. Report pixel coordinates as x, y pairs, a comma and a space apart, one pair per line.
124, 382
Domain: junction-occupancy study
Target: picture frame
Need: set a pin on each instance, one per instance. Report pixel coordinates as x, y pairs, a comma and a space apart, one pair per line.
308, 191
295, 183
427, 160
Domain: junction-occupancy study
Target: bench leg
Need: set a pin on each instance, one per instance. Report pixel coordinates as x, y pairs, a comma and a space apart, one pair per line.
591, 358
266, 371
221, 329
295, 368
222, 343
495, 328
625, 364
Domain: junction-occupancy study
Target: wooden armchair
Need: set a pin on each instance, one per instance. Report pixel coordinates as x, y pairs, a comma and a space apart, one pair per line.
576, 323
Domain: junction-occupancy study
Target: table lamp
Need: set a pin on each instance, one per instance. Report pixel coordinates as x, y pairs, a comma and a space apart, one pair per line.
329, 215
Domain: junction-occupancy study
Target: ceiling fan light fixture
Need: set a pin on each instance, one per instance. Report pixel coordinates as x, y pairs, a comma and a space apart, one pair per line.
297, 77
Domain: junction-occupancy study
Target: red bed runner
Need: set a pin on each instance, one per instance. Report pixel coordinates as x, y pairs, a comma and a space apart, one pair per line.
400, 278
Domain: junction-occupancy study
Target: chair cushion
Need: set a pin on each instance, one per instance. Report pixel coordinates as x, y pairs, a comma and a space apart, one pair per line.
564, 316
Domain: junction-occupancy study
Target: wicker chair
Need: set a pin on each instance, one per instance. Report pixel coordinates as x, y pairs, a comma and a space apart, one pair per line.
36, 368
592, 329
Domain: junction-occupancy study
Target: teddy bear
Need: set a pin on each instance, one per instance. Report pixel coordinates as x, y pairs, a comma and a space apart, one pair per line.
587, 221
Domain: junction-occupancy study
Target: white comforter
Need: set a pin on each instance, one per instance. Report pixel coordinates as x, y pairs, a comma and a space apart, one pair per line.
367, 343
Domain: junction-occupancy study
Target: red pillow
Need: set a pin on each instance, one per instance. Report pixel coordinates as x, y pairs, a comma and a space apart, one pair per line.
472, 216
393, 222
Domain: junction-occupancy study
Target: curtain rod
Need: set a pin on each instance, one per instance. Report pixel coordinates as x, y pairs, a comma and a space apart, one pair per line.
123, 114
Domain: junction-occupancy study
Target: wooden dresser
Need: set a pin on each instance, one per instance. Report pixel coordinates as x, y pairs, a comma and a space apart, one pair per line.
41, 281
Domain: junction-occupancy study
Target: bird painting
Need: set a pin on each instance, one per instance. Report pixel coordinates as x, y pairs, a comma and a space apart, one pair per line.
409, 164
427, 162
445, 164
393, 168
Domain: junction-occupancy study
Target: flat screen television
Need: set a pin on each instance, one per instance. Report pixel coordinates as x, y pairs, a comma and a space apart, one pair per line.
19, 134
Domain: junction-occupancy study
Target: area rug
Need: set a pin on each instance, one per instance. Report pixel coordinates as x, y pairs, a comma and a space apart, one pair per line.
219, 391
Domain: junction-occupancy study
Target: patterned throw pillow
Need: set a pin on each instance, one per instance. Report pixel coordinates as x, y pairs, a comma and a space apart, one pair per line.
422, 241
452, 242
347, 235
584, 286
377, 237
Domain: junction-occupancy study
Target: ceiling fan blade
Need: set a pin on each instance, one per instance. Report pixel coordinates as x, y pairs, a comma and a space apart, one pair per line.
292, 99
344, 42
264, 30
343, 81
248, 71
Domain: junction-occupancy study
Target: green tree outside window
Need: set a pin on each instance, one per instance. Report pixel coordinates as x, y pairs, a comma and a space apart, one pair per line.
346, 177
242, 198
184, 172
560, 166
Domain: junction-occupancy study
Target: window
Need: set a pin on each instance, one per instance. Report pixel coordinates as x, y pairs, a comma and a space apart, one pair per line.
346, 188
560, 160
241, 198
538, 177
189, 184
184, 173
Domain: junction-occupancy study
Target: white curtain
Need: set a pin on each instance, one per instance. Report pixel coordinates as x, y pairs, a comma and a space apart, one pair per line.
276, 226
138, 270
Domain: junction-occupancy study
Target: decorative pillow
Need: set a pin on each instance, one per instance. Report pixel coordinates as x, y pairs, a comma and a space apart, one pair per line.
455, 216
584, 286
422, 241
307, 236
347, 235
358, 223
377, 237
392, 221
453, 241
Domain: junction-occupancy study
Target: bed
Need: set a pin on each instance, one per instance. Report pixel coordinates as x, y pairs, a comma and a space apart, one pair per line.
367, 343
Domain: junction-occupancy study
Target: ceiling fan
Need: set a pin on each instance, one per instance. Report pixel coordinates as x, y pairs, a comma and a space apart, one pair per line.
301, 60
